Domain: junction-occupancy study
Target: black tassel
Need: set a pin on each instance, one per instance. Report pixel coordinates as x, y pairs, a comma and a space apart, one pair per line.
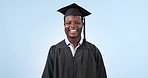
84, 32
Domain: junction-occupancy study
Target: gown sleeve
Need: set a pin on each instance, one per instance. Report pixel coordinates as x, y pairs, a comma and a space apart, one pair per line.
48, 70
101, 71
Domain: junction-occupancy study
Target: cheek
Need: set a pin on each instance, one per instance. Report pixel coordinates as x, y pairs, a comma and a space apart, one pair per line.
80, 28
65, 28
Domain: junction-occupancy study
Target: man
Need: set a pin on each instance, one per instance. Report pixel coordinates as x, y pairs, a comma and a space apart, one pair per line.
74, 57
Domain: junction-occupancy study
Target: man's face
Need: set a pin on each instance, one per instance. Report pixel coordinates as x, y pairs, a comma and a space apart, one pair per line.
73, 26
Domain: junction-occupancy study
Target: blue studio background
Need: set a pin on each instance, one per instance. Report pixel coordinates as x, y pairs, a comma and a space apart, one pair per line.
28, 28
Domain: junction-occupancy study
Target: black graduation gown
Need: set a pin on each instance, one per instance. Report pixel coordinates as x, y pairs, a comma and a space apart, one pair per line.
87, 62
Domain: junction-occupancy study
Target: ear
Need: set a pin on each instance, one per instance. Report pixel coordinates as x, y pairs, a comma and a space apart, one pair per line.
64, 20
83, 23
64, 24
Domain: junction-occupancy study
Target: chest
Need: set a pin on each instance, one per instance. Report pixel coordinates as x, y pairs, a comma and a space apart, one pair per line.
64, 57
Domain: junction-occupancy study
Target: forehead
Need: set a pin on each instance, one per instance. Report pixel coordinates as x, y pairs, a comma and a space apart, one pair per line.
73, 17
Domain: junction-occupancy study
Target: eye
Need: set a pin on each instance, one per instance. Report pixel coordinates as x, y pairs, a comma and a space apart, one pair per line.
67, 23
78, 23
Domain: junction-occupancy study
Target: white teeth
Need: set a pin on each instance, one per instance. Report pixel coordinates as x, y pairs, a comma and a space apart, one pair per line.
73, 30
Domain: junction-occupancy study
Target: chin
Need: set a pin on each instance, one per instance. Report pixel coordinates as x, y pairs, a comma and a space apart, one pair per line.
73, 37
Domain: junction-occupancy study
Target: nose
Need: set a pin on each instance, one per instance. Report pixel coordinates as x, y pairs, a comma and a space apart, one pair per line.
73, 25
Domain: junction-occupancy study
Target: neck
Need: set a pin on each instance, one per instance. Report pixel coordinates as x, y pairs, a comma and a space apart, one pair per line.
74, 41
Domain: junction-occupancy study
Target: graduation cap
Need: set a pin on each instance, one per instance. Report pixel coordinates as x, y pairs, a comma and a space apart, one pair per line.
75, 10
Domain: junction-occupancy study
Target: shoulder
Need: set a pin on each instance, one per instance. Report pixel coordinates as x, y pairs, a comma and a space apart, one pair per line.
91, 45
56, 47
60, 44
93, 48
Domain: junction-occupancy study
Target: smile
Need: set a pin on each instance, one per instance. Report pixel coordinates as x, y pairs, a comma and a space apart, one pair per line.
73, 30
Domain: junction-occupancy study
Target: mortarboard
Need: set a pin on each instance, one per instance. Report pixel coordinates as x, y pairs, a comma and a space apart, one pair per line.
76, 10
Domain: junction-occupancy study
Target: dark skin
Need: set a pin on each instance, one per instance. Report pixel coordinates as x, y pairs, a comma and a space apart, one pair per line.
73, 28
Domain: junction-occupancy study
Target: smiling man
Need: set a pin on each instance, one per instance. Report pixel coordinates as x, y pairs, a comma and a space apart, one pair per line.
74, 57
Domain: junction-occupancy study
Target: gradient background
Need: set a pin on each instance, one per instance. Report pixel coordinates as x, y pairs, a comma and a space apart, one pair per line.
28, 28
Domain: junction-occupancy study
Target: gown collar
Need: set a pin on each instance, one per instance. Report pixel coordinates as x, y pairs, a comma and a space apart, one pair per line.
84, 44
68, 43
